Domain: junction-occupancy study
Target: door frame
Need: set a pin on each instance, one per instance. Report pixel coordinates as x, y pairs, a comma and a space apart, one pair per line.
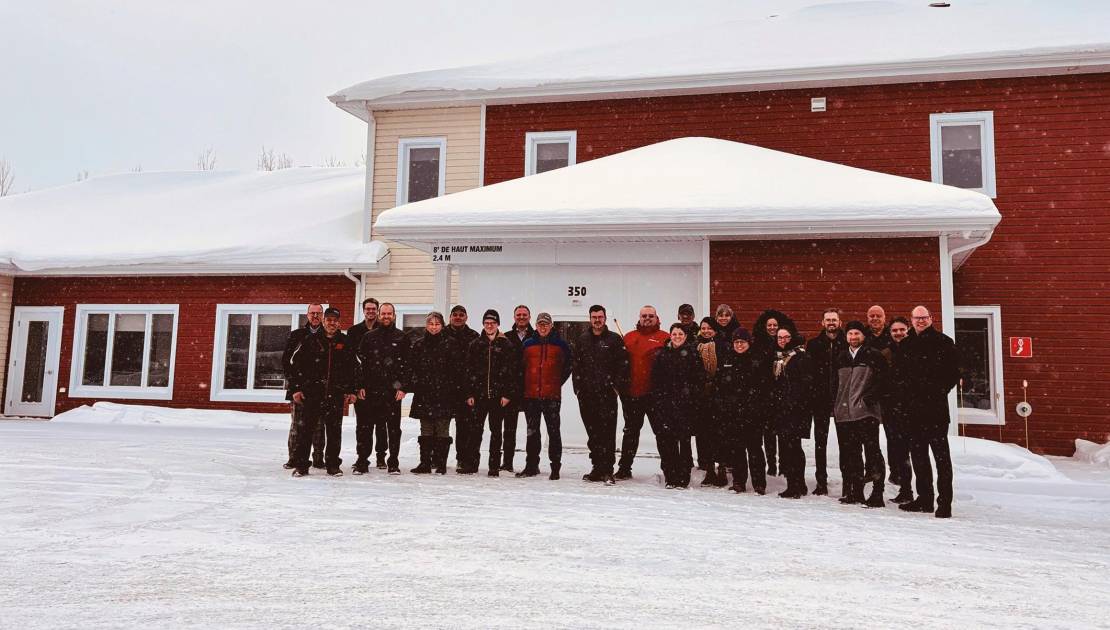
17, 348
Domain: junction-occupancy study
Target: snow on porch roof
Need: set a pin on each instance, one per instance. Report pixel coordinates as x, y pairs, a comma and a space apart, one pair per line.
830, 43
693, 188
296, 220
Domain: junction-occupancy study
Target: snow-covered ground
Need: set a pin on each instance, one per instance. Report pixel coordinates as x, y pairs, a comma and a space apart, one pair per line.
122, 525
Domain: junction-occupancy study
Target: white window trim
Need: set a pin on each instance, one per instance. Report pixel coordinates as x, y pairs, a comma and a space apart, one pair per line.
404, 145
986, 121
219, 351
534, 138
77, 368
993, 315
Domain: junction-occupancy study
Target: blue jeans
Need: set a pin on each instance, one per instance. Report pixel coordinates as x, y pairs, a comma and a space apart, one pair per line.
533, 408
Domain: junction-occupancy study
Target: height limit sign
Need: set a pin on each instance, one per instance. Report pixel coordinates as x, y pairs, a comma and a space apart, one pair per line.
1021, 347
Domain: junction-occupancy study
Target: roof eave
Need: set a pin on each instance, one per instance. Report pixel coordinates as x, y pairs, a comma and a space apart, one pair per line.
184, 269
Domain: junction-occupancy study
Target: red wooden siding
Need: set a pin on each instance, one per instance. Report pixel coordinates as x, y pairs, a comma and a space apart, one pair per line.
197, 298
1047, 263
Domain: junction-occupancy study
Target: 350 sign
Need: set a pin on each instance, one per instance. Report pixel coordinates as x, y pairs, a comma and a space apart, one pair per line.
576, 291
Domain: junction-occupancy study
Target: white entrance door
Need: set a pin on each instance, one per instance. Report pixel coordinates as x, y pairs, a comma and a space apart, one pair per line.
33, 363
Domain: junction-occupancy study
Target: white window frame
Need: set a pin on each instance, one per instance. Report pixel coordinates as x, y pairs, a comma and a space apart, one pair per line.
996, 415
80, 333
533, 139
404, 146
985, 120
219, 351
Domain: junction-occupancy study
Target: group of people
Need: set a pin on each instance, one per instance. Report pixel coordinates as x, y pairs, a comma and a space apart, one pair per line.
746, 399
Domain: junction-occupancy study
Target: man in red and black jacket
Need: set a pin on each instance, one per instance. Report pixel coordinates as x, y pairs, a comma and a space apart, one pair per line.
547, 365
642, 344
324, 381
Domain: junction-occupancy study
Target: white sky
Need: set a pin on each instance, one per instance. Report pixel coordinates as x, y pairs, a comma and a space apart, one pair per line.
107, 86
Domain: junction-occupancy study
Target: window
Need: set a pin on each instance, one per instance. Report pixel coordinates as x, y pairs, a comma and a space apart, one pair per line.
979, 339
249, 344
962, 147
124, 351
549, 150
421, 169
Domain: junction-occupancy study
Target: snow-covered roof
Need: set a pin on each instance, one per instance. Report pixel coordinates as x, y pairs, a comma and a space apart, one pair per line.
694, 188
827, 44
296, 220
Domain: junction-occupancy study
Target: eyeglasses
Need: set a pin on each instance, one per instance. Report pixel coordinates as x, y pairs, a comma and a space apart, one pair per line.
922, 318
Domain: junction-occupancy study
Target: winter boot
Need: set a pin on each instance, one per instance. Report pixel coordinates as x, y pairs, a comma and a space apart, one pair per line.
739, 487
622, 474
595, 475
334, 471
300, 472
425, 466
381, 461
288, 465
791, 492
318, 461
507, 462
821, 490
444, 449
760, 490
904, 496
876, 498
944, 510
710, 478
528, 472
722, 476
920, 504
554, 476
361, 467
853, 493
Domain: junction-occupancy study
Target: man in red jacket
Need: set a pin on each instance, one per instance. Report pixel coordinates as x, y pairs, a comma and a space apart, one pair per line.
643, 344
547, 365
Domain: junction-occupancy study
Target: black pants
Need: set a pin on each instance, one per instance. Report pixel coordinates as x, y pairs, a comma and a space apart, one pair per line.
674, 457
297, 425
860, 440
898, 451
369, 425
635, 410
711, 450
921, 441
468, 436
792, 460
549, 409
383, 408
507, 431
747, 455
321, 413
599, 416
770, 444
821, 445
497, 414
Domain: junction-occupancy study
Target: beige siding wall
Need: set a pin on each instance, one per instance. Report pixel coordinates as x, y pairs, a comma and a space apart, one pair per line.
6, 285
410, 271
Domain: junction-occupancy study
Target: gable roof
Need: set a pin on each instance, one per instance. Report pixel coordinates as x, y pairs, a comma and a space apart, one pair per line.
838, 43
693, 188
296, 220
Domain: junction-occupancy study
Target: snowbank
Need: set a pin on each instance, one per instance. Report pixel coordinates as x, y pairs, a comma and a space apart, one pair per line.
1092, 453
829, 41
984, 458
115, 413
290, 218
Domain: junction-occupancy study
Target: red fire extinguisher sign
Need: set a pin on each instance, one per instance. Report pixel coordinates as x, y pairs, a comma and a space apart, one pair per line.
1021, 347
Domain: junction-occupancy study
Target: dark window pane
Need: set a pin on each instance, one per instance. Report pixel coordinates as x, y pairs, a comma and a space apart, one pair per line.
34, 361
161, 342
273, 331
127, 350
552, 155
974, 344
423, 170
238, 348
962, 155
96, 349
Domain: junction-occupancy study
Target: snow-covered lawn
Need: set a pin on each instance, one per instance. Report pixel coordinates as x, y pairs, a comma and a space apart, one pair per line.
169, 526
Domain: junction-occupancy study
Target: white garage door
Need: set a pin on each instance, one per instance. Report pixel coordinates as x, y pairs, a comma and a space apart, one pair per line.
567, 291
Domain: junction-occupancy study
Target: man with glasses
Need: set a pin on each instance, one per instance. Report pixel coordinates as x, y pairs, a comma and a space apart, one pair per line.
642, 344
933, 364
313, 325
382, 355
367, 429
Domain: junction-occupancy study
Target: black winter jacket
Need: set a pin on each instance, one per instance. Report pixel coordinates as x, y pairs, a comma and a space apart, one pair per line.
324, 365
600, 364
435, 377
899, 379
824, 352
293, 342
741, 383
491, 368
934, 363
382, 353
792, 392
677, 383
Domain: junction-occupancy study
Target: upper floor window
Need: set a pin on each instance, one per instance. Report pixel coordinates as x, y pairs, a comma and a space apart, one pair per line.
421, 169
249, 344
548, 150
124, 351
962, 146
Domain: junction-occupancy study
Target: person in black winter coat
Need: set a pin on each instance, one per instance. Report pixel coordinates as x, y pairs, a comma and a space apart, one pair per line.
491, 372
934, 363
368, 426
712, 454
896, 410
434, 376
600, 370
823, 349
324, 381
520, 331
315, 317
792, 404
740, 385
765, 344
468, 427
382, 353
677, 380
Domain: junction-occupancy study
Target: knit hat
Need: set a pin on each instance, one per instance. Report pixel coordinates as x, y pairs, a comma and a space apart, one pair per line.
459, 308
544, 318
686, 309
491, 314
741, 334
331, 311
857, 325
